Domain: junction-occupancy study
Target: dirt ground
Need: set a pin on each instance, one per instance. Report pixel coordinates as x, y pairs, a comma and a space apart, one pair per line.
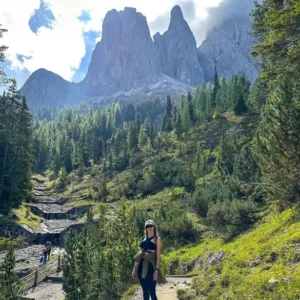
167, 291
47, 291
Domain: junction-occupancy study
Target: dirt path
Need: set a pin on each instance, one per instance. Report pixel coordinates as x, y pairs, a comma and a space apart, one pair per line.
47, 291
167, 291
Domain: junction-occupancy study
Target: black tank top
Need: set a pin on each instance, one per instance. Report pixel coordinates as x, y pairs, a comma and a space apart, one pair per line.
147, 244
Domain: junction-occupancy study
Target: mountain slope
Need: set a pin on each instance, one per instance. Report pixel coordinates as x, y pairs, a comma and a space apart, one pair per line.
47, 89
228, 46
260, 264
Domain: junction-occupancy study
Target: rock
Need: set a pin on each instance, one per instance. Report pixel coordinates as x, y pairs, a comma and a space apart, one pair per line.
227, 47
198, 264
273, 281
46, 89
173, 266
273, 257
186, 294
186, 267
287, 280
125, 57
215, 258
177, 51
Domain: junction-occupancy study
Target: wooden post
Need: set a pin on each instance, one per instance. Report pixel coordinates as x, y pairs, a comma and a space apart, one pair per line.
58, 264
35, 277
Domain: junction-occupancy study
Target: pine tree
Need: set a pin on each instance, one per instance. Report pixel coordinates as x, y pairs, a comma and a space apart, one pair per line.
240, 107
275, 28
226, 158
9, 282
215, 89
142, 137
118, 116
192, 116
278, 141
177, 122
246, 167
258, 95
15, 149
71, 282
167, 122
132, 137
138, 123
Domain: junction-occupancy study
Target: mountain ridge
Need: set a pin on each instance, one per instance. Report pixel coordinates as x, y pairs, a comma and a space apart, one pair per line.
127, 61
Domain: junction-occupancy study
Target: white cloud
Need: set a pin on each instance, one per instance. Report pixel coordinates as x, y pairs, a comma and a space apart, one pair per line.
61, 48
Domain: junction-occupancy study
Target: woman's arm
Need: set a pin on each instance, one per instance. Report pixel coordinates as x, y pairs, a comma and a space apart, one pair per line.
158, 249
134, 271
158, 252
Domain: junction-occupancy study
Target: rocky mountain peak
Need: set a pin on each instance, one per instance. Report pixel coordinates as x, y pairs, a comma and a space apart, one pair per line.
177, 50
176, 15
125, 58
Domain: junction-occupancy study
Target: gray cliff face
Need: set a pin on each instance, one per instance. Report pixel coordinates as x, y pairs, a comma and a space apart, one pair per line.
177, 51
125, 58
228, 46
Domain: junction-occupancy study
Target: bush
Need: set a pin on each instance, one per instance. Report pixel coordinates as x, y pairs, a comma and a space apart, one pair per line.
231, 217
208, 194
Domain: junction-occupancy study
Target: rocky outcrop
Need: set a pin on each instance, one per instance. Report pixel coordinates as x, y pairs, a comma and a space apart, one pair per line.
56, 212
125, 58
177, 51
16, 230
228, 46
55, 231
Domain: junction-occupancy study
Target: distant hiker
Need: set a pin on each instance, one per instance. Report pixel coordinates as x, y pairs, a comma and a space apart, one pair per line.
45, 254
49, 248
147, 261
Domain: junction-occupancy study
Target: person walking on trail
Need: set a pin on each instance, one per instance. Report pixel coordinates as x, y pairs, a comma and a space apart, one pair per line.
49, 248
147, 261
45, 254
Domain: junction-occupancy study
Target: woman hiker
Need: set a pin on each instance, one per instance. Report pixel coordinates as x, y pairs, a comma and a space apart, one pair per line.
147, 261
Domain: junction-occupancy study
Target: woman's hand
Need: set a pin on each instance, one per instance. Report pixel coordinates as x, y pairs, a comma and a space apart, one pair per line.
133, 274
155, 275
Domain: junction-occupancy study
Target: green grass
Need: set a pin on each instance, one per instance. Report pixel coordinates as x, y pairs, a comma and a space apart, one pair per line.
272, 249
38, 177
130, 292
26, 217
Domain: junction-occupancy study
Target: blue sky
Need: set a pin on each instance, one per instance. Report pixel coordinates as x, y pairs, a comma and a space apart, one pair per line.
60, 35
43, 16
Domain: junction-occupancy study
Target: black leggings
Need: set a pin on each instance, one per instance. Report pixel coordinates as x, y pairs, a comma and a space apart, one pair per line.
148, 285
